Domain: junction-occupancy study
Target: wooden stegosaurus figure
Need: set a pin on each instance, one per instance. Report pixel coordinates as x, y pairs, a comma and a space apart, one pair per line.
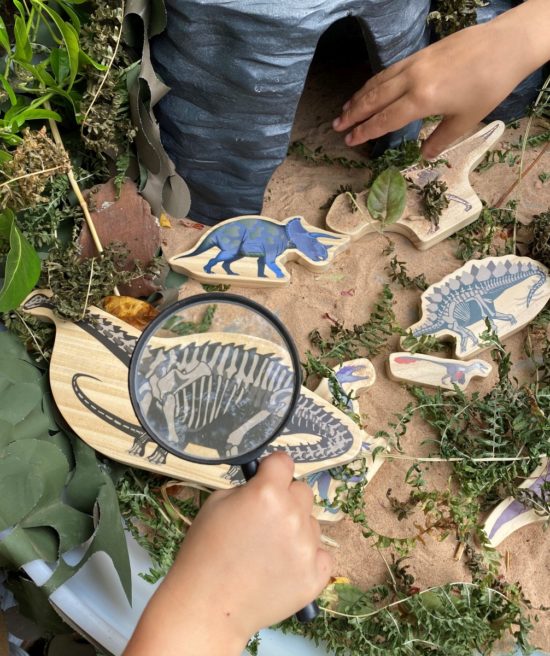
508, 290
251, 251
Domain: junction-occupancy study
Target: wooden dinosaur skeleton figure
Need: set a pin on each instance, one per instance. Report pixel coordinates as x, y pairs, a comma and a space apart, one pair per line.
508, 291
454, 169
89, 380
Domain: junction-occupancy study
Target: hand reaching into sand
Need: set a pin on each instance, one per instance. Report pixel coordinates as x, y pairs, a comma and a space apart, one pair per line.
251, 558
462, 77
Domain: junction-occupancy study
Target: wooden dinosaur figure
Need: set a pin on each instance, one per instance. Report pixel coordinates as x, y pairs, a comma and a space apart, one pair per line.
511, 515
251, 251
508, 290
432, 371
89, 381
351, 377
453, 167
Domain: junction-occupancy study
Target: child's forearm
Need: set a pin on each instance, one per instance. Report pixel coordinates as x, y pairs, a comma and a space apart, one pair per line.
529, 23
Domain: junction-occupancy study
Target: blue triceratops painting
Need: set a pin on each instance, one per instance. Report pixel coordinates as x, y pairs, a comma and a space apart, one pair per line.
252, 250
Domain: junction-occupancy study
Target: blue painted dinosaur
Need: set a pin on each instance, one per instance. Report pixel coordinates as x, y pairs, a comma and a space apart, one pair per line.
262, 239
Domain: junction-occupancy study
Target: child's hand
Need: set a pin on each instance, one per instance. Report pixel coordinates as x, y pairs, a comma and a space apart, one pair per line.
251, 558
462, 77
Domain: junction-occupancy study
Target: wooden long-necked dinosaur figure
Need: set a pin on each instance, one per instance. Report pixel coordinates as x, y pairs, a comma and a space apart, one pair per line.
464, 204
89, 380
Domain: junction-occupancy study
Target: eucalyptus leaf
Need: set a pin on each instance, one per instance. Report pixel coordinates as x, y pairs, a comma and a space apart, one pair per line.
22, 264
387, 197
30, 471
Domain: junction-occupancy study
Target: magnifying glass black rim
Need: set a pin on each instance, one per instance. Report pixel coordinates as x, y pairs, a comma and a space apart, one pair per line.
211, 297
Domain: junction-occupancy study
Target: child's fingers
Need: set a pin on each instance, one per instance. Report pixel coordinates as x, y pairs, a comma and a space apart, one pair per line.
388, 119
368, 102
302, 495
277, 468
449, 130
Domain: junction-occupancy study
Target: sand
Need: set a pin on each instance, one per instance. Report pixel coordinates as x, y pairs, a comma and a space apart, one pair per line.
347, 291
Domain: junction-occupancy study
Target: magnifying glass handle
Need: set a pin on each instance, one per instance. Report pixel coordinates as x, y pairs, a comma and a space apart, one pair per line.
309, 612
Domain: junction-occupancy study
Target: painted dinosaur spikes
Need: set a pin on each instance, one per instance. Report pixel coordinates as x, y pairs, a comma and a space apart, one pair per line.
432, 371
464, 207
511, 515
251, 251
509, 291
89, 380
351, 377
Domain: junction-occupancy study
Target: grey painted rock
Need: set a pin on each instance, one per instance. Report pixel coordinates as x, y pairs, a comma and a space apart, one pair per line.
237, 69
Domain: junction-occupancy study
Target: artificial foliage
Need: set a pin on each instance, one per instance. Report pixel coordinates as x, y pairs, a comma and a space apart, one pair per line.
449, 16
55, 493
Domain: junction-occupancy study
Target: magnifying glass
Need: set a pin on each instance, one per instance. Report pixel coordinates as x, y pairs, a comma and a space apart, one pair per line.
214, 379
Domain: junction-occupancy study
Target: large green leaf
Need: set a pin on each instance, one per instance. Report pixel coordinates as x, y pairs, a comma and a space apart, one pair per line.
387, 197
22, 264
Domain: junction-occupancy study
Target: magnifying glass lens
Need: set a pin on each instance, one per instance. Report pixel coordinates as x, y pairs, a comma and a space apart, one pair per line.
214, 379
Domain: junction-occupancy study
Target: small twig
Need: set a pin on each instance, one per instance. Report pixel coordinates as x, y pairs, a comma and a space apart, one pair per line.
30, 175
329, 542
76, 189
85, 308
31, 334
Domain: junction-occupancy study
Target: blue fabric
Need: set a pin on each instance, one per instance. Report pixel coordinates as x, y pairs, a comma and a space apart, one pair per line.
237, 70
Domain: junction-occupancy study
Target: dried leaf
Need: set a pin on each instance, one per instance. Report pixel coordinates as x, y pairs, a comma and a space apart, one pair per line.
131, 310
164, 221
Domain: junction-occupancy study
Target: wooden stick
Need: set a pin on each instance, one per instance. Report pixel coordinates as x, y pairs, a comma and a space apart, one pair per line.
76, 189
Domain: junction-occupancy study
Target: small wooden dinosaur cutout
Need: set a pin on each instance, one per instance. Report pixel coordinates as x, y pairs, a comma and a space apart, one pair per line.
432, 371
464, 206
251, 251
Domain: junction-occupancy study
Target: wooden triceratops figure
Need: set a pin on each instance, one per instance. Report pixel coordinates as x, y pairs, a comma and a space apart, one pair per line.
89, 381
454, 169
251, 251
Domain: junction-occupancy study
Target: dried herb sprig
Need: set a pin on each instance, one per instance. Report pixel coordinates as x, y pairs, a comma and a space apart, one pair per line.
152, 519
78, 282
537, 501
319, 157
397, 271
451, 16
364, 340
540, 244
490, 234
511, 421
434, 199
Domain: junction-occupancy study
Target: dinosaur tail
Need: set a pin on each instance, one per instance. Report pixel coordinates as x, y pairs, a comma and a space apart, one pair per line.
541, 279
134, 430
428, 328
204, 246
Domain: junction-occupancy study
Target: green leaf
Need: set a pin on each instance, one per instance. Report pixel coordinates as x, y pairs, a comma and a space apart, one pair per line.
22, 264
59, 61
7, 88
70, 38
388, 197
4, 38
33, 603
23, 49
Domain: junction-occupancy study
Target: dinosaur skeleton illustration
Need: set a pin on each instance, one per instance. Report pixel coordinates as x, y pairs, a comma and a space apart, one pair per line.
469, 296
